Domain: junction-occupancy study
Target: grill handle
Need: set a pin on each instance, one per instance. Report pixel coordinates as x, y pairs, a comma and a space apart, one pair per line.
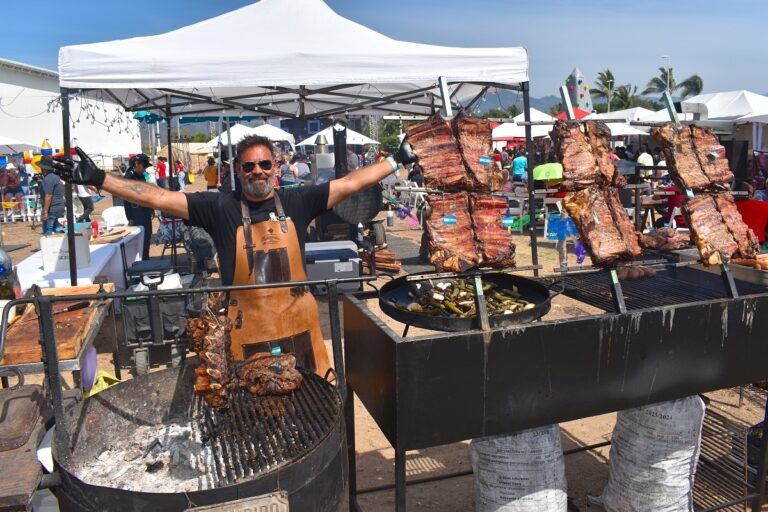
555, 293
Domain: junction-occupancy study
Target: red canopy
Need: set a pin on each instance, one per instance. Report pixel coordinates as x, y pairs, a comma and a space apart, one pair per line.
580, 114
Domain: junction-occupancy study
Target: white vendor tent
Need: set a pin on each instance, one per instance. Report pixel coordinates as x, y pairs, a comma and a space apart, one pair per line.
237, 131
328, 66
353, 137
274, 134
516, 129
726, 106
628, 115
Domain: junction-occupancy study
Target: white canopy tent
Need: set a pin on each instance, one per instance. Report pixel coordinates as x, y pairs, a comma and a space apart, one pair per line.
726, 106
353, 137
237, 131
516, 129
329, 67
628, 115
274, 134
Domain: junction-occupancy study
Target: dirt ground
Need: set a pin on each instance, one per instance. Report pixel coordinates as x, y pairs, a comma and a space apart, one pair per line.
587, 472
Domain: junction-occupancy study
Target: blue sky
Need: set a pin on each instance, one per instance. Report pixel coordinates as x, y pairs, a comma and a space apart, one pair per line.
719, 40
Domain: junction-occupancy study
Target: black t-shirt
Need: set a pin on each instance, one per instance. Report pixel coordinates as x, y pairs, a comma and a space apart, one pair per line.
219, 214
139, 215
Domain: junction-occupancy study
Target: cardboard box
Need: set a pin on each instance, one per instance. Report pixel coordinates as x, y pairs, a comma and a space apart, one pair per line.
55, 250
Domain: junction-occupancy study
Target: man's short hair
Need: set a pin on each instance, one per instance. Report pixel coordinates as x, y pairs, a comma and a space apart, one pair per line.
255, 140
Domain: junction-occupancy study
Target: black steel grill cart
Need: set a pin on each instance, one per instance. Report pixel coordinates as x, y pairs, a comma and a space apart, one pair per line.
446, 387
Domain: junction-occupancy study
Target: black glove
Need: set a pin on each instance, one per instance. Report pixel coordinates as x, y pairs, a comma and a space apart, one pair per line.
405, 154
84, 172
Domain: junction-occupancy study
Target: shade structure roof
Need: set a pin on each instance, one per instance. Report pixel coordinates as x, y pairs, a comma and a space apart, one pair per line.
327, 65
729, 105
353, 137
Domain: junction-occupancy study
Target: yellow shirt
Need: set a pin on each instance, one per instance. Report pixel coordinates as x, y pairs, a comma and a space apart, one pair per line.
211, 175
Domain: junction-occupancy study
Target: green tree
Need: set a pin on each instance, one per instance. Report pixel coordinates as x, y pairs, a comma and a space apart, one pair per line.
691, 86
555, 109
658, 84
625, 96
200, 137
604, 85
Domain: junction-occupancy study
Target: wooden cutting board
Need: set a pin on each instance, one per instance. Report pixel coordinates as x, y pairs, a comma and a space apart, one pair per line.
22, 343
115, 236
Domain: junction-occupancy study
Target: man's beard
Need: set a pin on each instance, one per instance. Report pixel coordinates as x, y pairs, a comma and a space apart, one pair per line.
258, 188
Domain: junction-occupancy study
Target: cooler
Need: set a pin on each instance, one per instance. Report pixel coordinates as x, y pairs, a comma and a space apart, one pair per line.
333, 260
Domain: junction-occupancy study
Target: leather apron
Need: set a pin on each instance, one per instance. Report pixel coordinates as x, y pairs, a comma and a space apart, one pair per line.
287, 317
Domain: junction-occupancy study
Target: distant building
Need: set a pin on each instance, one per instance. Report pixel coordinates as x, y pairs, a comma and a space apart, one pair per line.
30, 111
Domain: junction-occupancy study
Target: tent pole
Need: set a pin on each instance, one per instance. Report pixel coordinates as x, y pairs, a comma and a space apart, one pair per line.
170, 168
445, 93
68, 190
231, 156
531, 195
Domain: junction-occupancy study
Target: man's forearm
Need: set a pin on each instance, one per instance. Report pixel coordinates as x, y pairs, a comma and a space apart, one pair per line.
148, 195
356, 181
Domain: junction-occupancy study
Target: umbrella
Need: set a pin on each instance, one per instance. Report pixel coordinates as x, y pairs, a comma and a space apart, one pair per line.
550, 171
352, 138
11, 146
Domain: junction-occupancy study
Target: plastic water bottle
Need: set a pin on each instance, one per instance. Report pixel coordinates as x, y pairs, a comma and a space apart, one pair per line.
390, 217
579, 251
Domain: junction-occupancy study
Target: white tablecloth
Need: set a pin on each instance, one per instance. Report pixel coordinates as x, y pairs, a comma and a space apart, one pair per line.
106, 260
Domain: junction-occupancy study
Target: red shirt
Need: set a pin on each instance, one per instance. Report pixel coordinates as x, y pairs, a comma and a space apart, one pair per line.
161, 170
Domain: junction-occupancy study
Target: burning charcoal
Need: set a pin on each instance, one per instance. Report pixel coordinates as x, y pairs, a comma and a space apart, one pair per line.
154, 467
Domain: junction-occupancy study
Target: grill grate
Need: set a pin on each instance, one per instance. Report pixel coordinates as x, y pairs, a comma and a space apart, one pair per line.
721, 471
668, 287
258, 434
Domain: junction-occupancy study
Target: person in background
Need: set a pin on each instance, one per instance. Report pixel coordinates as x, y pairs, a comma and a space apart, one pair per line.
504, 157
519, 165
506, 184
150, 174
289, 174
211, 174
416, 173
645, 158
24, 179
182, 177
87, 201
352, 162
140, 215
179, 166
52, 192
760, 194
302, 167
13, 189
162, 172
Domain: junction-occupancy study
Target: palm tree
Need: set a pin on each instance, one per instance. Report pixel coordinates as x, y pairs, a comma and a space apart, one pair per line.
625, 96
658, 84
691, 86
604, 85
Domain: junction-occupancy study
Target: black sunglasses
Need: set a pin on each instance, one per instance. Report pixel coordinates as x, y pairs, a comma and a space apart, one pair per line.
250, 166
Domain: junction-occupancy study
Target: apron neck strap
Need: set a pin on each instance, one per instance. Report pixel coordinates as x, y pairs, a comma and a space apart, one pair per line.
280, 214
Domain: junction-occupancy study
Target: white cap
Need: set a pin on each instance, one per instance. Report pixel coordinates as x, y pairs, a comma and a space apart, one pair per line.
10, 166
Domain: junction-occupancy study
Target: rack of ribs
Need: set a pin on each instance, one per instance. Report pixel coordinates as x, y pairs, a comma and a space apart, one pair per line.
494, 240
452, 247
475, 140
694, 157
209, 338
718, 230
603, 224
599, 137
439, 155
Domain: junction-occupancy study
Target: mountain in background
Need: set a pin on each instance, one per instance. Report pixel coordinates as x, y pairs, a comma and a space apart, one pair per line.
504, 99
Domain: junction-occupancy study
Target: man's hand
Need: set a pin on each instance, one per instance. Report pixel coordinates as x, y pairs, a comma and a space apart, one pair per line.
84, 172
405, 154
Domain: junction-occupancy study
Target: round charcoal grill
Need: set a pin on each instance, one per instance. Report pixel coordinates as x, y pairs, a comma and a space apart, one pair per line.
258, 445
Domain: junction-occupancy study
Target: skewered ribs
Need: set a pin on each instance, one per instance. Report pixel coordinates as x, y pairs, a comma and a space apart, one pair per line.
603, 224
494, 241
263, 374
718, 230
585, 153
665, 239
452, 247
694, 156
450, 153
